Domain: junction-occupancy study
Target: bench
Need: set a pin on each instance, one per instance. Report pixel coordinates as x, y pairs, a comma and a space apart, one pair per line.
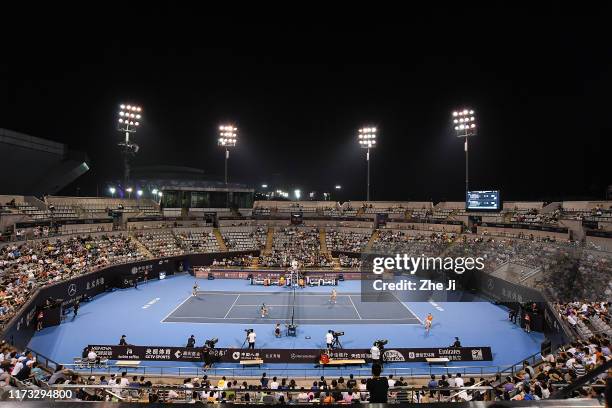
255, 362
437, 360
337, 362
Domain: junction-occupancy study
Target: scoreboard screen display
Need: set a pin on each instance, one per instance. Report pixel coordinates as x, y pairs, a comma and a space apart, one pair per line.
483, 200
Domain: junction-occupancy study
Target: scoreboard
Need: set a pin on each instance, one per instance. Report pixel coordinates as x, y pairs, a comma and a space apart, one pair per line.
483, 200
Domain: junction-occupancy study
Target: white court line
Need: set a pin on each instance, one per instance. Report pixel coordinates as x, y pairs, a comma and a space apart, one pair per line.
275, 293
357, 311
325, 306
174, 310
402, 303
232, 306
251, 318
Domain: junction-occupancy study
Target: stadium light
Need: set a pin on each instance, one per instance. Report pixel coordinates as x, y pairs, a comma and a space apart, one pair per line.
465, 125
297, 193
129, 191
264, 186
139, 193
154, 192
227, 139
338, 187
112, 190
367, 140
130, 117
159, 193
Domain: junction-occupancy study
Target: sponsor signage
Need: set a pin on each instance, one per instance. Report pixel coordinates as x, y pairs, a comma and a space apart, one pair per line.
228, 355
532, 227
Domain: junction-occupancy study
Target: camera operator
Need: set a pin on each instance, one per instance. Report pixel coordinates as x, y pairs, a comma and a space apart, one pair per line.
251, 336
191, 341
329, 339
375, 352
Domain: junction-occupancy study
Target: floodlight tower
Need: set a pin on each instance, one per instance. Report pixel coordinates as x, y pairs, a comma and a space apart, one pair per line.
129, 121
367, 140
227, 139
464, 122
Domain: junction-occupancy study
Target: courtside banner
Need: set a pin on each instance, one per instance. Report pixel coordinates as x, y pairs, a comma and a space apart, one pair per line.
231, 355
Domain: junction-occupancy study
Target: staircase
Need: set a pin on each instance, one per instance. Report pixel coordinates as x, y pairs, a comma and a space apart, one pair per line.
336, 262
220, 239
141, 248
269, 241
323, 243
373, 239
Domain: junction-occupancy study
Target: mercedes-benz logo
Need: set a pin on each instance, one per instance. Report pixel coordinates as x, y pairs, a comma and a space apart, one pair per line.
72, 289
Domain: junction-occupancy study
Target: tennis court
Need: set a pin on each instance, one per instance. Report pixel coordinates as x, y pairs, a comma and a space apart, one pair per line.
308, 308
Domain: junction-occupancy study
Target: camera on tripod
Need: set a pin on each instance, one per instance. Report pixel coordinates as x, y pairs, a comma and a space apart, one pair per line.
211, 343
381, 343
337, 334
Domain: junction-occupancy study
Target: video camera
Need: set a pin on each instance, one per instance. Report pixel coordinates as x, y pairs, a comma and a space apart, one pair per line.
211, 343
381, 343
337, 334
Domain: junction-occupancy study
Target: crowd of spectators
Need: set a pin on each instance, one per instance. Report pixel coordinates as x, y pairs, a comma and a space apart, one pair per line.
349, 262
586, 317
428, 244
27, 266
558, 370
299, 244
350, 241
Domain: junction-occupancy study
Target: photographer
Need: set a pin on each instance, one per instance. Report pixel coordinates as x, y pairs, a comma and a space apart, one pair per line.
251, 336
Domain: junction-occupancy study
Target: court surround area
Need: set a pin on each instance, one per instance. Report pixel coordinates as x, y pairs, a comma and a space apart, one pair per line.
164, 313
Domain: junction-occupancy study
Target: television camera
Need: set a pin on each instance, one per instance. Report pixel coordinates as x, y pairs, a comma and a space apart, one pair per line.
211, 343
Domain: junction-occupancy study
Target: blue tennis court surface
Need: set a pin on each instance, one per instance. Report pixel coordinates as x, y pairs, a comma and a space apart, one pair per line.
164, 313
310, 308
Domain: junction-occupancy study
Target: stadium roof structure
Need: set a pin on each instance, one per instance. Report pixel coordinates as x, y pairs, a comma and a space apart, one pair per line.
166, 177
35, 166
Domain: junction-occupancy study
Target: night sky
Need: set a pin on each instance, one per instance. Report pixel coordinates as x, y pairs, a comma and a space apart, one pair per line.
299, 86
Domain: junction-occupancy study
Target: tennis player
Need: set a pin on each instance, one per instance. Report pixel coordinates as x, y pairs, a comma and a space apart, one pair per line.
264, 310
194, 291
333, 297
428, 321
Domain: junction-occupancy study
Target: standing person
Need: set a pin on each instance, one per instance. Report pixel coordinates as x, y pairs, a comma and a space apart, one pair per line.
277, 331
329, 339
191, 341
39, 320
264, 310
123, 341
375, 352
194, 291
333, 297
527, 319
512, 315
251, 336
75, 308
428, 321
146, 276
136, 282
377, 386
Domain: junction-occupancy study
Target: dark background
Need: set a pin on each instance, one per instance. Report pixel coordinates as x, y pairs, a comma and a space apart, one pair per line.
299, 83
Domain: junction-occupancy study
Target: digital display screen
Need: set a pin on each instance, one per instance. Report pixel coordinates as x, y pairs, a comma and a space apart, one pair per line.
483, 200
